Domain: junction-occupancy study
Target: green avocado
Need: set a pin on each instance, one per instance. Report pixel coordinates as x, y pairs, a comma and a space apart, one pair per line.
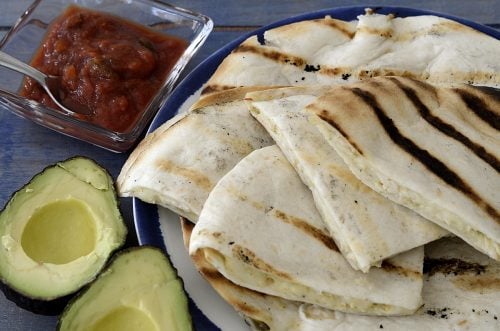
138, 291
57, 233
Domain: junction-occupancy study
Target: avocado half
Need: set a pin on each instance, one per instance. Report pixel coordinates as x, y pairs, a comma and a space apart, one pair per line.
138, 291
56, 234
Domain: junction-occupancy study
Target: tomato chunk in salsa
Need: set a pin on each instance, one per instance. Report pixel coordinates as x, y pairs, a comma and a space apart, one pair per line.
108, 65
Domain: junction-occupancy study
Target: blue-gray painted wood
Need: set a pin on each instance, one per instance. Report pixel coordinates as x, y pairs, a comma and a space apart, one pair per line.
259, 12
26, 148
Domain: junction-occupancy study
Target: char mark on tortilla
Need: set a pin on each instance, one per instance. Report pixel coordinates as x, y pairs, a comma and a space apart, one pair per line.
452, 266
323, 114
481, 108
211, 274
307, 229
249, 257
444, 127
387, 266
216, 88
431, 162
215, 277
484, 284
194, 176
272, 55
337, 25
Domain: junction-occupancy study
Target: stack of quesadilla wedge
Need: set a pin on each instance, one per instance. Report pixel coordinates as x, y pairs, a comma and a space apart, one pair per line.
178, 165
367, 227
405, 162
434, 150
260, 228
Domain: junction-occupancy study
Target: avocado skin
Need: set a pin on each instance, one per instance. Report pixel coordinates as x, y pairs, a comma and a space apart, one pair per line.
41, 307
109, 266
54, 307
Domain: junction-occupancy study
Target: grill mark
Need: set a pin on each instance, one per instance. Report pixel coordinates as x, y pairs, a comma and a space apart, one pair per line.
384, 33
480, 108
194, 176
215, 88
389, 267
488, 283
323, 114
432, 163
337, 26
245, 307
491, 92
211, 274
452, 266
215, 277
247, 256
307, 229
295, 221
272, 55
446, 128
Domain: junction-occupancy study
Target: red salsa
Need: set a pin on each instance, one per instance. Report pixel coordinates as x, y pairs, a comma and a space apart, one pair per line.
109, 65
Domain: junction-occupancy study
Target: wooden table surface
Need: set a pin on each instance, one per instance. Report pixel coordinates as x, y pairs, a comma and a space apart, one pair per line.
26, 148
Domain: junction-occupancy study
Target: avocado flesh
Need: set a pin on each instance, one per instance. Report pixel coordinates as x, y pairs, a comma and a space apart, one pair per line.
139, 290
58, 231
50, 238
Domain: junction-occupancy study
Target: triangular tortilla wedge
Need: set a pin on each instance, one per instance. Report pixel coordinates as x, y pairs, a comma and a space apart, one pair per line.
461, 292
261, 311
260, 228
434, 150
179, 163
328, 51
367, 227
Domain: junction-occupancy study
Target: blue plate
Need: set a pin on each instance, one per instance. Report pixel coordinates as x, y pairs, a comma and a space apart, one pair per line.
161, 228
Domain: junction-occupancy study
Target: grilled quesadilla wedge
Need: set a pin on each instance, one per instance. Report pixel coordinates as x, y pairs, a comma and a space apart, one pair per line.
461, 292
367, 227
261, 311
179, 163
433, 150
260, 228
326, 51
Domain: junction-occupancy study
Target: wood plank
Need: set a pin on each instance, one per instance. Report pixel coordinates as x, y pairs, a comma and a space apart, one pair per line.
261, 12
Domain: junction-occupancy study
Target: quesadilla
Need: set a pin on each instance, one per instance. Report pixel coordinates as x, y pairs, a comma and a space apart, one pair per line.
434, 150
367, 227
261, 311
179, 163
260, 228
325, 51
461, 292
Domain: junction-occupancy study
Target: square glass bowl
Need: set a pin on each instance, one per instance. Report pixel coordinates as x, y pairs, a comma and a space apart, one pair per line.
26, 36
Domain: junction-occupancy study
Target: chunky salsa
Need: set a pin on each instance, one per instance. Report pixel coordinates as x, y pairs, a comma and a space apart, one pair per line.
108, 65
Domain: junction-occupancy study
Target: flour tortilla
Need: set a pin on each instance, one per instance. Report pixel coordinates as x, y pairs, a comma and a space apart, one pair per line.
260, 229
367, 227
433, 150
326, 51
261, 311
461, 292
179, 163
